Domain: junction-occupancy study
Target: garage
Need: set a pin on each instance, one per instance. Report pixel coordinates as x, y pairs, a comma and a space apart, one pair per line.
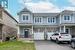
42, 33
39, 36
49, 35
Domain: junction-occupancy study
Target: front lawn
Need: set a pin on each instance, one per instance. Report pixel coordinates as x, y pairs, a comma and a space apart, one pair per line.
16, 45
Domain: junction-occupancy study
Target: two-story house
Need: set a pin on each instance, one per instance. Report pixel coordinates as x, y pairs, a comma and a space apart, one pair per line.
39, 25
7, 24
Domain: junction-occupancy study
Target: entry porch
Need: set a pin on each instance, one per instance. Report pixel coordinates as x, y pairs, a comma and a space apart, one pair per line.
67, 29
25, 32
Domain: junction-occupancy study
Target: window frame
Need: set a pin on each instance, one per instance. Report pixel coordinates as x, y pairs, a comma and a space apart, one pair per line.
51, 19
38, 18
26, 16
66, 16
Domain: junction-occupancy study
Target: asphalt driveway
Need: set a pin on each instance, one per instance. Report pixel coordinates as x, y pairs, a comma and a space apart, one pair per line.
49, 45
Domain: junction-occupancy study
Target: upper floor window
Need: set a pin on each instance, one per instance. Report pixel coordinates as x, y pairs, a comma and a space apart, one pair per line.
25, 17
51, 20
38, 19
67, 18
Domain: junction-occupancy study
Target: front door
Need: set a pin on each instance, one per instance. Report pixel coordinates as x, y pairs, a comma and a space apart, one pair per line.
68, 30
26, 33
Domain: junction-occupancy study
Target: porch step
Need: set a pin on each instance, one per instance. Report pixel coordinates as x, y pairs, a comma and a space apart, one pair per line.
26, 40
0, 41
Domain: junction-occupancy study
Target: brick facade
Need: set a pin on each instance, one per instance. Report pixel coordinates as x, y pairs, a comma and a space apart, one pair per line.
7, 24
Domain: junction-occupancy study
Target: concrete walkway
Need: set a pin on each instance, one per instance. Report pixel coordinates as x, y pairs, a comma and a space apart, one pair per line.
48, 45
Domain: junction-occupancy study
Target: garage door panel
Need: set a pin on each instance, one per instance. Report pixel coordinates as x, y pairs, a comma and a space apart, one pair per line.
39, 36
49, 35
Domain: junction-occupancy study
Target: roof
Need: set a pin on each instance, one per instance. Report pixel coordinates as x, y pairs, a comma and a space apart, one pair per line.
45, 14
24, 10
9, 14
67, 12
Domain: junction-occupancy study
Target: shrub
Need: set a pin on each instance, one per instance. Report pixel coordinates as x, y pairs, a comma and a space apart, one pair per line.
7, 39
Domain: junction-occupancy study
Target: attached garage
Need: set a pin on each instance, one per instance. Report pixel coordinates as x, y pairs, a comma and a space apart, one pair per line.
49, 35
43, 33
42, 36
39, 36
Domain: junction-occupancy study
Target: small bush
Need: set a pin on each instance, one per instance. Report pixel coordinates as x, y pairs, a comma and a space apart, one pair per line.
13, 38
7, 38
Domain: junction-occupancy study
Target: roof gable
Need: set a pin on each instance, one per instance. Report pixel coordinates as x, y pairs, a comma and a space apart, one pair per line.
3, 10
67, 12
24, 10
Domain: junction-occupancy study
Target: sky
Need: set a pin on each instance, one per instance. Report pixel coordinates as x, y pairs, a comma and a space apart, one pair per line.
39, 6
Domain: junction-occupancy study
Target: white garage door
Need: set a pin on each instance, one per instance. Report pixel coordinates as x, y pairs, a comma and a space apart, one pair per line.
39, 36
49, 35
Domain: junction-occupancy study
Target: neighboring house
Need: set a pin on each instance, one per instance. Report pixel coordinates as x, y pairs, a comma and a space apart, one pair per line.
39, 25
7, 24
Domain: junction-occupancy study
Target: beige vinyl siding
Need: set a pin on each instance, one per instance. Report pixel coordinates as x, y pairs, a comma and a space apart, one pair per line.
7, 20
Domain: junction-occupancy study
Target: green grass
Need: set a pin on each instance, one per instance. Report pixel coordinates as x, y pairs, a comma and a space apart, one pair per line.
16, 45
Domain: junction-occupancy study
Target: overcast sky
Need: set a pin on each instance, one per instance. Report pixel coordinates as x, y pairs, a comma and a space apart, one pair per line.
40, 6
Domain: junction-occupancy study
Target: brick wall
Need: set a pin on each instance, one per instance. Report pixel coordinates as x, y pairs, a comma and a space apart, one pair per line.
9, 25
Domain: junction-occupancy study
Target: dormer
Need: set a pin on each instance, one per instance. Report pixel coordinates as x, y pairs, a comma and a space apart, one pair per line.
67, 16
24, 11
25, 16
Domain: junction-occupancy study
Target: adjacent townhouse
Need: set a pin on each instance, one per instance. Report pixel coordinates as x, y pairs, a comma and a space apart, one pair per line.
38, 26
7, 24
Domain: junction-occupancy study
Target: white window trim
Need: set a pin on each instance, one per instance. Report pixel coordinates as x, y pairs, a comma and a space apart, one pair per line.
38, 17
26, 15
51, 22
67, 15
